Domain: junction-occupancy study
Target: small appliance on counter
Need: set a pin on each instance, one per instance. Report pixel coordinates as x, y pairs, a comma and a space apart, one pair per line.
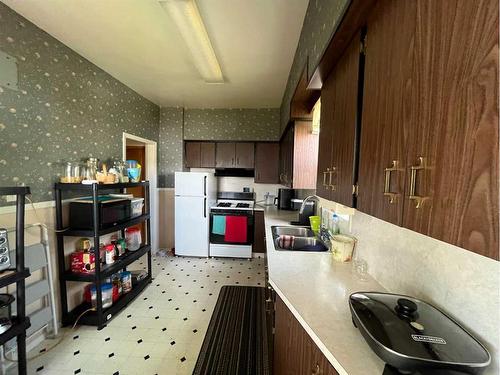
414, 337
5, 312
284, 199
4, 250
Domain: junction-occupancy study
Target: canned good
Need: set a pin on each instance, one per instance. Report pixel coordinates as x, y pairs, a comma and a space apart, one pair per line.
126, 278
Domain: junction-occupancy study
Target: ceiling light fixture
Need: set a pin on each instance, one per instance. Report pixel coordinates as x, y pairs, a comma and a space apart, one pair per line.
187, 18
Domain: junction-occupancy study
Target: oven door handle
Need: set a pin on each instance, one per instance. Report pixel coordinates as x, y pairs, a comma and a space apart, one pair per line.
205, 207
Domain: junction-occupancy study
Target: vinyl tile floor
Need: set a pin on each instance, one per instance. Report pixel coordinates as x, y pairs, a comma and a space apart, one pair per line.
161, 332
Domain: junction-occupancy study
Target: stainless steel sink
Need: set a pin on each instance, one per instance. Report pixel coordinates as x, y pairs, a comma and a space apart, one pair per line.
293, 231
304, 239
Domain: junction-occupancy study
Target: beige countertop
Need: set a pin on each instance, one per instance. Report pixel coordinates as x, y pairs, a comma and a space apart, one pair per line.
316, 289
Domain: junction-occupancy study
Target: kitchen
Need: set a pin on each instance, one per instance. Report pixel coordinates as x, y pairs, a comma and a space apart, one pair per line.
371, 125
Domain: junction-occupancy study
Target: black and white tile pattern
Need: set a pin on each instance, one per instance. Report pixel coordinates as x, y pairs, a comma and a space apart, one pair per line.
161, 332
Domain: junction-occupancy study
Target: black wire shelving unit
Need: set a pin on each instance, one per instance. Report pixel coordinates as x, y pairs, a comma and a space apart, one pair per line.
100, 316
20, 323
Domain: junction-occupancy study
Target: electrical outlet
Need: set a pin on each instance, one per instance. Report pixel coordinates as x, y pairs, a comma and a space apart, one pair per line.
10, 198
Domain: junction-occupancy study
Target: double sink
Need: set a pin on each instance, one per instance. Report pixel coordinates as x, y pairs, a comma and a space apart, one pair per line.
304, 239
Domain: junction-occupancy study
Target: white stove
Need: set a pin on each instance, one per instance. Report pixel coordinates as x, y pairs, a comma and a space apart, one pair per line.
234, 204
231, 225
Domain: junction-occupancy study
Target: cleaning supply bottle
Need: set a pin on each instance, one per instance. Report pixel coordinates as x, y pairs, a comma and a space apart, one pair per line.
335, 224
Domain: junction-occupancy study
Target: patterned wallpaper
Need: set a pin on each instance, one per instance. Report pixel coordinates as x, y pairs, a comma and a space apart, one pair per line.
170, 146
320, 20
65, 109
256, 124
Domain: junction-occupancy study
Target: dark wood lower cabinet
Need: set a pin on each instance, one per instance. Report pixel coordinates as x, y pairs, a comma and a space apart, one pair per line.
295, 353
259, 232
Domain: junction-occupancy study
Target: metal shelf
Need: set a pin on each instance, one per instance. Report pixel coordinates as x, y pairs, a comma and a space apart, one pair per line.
100, 187
115, 228
92, 317
108, 270
99, 316
12, 276
19, 326
18, 275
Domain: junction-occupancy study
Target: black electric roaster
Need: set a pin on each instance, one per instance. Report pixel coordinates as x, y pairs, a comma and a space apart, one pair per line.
412, 335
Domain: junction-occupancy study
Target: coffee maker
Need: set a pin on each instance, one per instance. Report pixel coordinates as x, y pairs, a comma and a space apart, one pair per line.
284, 199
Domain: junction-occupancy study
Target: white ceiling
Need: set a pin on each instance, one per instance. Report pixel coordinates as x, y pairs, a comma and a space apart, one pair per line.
136, 42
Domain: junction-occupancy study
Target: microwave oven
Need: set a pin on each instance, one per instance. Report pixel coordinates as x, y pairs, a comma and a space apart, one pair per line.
112, 211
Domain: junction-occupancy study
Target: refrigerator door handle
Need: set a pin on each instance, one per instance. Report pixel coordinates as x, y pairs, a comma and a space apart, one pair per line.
205, 207
205, 186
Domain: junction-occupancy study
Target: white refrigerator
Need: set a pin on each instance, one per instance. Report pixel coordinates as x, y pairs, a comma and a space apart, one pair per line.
195, 193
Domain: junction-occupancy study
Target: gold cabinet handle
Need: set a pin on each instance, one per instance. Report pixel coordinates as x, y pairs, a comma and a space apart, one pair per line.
316, 370
387, 182
332, 186
324, 179
419, 200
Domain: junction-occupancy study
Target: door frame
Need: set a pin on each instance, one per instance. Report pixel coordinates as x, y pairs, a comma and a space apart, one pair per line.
151, 173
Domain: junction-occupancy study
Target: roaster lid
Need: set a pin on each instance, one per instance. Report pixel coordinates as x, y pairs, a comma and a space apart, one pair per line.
415, 329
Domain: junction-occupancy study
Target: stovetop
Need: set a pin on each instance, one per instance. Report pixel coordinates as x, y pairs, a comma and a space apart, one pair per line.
235, 200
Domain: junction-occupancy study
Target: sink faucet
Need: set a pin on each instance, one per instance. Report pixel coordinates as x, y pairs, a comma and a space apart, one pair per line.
307, 199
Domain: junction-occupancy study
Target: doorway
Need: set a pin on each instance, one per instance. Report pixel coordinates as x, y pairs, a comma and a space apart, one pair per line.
145, 151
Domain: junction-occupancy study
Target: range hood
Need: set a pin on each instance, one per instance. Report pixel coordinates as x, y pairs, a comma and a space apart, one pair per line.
234, 172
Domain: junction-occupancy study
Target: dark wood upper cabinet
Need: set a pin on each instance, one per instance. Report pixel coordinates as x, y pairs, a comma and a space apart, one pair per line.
225, 155
267, 156
207, 155
192, 154
452, 165
385, 117
339, 105
429, 143
244, 154
299, 156
199, 155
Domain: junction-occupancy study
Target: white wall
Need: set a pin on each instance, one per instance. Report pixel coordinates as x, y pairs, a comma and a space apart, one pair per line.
461, 283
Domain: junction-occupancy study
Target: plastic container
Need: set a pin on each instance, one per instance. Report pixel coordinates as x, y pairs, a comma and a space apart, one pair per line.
335, 224
110, 253
126, 279
133, 238
107, 295
342, 247
315, 222
137, 205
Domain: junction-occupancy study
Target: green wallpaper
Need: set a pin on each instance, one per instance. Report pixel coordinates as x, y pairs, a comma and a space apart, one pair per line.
170, 146
177, 124
320, 20
242, 124
66, 109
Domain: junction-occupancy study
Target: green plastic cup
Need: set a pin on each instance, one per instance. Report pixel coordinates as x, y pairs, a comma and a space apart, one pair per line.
315, 223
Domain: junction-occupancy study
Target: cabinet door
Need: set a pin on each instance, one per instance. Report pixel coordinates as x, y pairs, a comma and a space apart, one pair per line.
328, 93
225, 155
343, 122
245, 155
386, 90
288, 155
452, 186
267, 163
207, 155
192, 155
305, 156
295, 353
259, 233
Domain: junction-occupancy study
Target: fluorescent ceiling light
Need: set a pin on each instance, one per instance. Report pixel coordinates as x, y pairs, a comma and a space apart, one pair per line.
187, 18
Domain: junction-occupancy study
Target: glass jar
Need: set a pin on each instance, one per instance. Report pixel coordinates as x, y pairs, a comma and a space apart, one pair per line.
92, 165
